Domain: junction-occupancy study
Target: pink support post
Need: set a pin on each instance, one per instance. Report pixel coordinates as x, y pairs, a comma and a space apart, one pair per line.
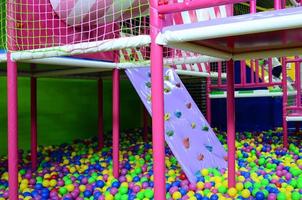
277, 4
257, 71
231, 124
252, 72
298, 83
253, 6
270, 70
100, 114
12, 108
33, 123
157, 100
284, 99
208, 91
115, 120
145, 124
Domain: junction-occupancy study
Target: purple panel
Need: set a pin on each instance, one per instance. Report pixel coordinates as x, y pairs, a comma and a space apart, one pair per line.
188, 134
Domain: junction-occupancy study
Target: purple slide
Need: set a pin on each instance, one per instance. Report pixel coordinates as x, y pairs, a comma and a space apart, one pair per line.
188, 134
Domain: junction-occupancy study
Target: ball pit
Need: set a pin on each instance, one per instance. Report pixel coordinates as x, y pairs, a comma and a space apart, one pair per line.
78, 171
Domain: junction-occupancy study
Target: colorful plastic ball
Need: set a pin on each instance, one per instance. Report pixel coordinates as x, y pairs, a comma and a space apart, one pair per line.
245, 193
259, 196
176, 195
232, 192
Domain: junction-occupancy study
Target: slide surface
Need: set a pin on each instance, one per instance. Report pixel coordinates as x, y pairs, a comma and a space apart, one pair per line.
188, 134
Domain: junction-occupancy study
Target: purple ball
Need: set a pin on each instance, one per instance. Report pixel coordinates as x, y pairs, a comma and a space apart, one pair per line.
84, 181
136, 189
113, 191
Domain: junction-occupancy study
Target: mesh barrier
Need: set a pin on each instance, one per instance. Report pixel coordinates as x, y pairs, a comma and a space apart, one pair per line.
2, 24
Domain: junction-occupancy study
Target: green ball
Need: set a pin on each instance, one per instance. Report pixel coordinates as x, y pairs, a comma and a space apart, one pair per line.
222, 189
138, 170
296, 196
144, 179
168, 195
261, 161
22, 171
265, 192
206, 192
123, 190
281, 196
140, 195
124, 197
117, 196
63, 191
257, 185
293, 183
91, 180
248, 185
264, 182
68, 182
149, 193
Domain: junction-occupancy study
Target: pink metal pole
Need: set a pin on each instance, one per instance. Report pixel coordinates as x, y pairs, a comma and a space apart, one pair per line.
253, 6
231, 124
257, 71
208, 90
284, 99
145, 124
100, 114
194, 4
270, 70
252, 72
298, 83
115, 120
33, 123
12, 108
157, 100
277, 4
243, 72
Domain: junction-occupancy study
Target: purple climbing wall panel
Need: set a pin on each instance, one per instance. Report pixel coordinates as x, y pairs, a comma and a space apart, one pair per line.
188, 134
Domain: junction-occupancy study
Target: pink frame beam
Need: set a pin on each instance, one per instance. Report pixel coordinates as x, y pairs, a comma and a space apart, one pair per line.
115, 120
284, 102
231, 124
157, 107
193, 5
12, 114
33, 123
100, 115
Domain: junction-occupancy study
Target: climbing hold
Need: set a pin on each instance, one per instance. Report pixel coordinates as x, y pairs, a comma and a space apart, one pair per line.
149, 74
167, 116
186, 142
167, 89
178, 85
166, 78
209, 148
149, 98
170, 133
200, 157
205, 128
225, 158
177, 114
189, 105
148, 84
193, 124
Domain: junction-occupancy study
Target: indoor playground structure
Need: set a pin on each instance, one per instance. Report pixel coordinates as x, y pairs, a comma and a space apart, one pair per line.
241, 48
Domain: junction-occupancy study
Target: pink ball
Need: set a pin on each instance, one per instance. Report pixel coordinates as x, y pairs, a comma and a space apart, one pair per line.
272, 196
288, 176
113, 191
192, 186
173, 189
136, 189
279, 173
207, 185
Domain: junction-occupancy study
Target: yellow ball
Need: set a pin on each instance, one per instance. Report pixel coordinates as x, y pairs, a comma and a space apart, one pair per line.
192, 198
204, 172
45, 183
245, 193
23, 187
176, 195
70, 187
109, 197
82, 188
190, 194
200, 185
232, 192
52, 182
239, 186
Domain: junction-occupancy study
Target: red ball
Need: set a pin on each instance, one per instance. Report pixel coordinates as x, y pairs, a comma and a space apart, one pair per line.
182, 176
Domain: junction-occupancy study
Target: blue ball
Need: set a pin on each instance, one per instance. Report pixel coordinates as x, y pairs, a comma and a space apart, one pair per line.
100, 183
97, 195
87, 193
198, 196
259, 196
214, 197
116, 184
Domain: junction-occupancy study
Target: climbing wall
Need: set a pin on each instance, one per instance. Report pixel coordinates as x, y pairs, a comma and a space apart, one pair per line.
187, 132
